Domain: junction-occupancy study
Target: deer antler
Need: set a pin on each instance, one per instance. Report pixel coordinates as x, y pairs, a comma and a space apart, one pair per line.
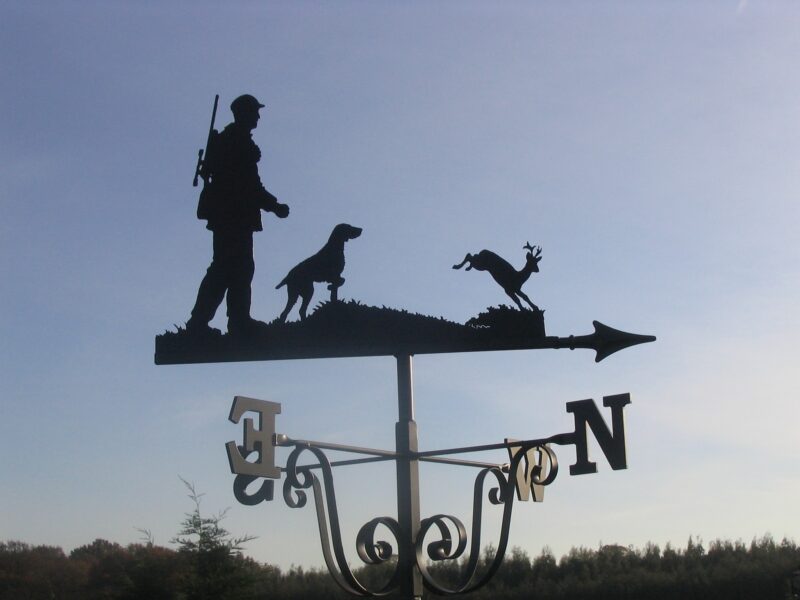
531, 249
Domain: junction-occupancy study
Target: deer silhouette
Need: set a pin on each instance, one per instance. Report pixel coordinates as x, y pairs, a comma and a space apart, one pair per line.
503, 273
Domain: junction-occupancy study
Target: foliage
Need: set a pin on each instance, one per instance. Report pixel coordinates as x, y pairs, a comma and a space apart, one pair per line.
510, 321
726, 570
39, 572
216, 568
205, 535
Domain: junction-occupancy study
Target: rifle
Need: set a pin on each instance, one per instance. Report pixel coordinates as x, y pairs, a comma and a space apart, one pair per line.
199, 167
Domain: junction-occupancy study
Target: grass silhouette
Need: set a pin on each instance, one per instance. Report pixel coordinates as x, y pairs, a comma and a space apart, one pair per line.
354, 329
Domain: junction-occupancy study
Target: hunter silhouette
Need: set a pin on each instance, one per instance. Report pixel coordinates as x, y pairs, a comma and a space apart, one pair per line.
231, 202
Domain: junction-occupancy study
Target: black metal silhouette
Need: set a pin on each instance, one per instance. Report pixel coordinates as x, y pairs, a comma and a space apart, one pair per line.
325, 266
198, 170
352, 329
335, 328
532, 466
231, 202
503, 273
372, 551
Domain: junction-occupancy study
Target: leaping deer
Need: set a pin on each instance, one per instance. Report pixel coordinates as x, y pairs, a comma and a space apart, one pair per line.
503, 273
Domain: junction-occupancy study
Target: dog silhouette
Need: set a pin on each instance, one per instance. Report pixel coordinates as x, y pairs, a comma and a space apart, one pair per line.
325, 266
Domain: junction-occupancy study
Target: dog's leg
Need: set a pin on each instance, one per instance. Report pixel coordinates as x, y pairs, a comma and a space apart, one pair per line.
290, 302
306, 293
334, 288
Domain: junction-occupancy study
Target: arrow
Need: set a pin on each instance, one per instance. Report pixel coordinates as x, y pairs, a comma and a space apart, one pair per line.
605, 340
423, 335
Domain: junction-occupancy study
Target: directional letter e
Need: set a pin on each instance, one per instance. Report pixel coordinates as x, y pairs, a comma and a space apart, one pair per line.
612, 444
255, 440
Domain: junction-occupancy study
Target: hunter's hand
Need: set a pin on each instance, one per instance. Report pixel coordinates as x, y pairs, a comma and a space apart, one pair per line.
281, 210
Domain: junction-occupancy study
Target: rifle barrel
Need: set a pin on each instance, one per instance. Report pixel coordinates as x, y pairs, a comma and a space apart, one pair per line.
208, 141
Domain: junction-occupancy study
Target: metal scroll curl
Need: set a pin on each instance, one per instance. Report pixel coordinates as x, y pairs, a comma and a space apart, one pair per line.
539, 469
443, 549
300, 478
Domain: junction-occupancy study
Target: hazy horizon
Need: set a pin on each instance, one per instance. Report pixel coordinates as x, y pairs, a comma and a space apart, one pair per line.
652, 150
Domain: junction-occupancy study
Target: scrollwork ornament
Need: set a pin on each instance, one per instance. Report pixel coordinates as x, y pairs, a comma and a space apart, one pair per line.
502, 494
297, 480
371, 552
296, 500
552, 472
442, 549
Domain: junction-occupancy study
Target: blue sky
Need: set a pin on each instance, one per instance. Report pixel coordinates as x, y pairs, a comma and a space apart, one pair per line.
651, 149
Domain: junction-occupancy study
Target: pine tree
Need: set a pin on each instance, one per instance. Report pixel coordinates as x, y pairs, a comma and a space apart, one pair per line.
217, 569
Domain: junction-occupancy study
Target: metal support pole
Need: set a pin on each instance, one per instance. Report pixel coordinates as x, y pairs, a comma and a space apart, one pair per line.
407, 482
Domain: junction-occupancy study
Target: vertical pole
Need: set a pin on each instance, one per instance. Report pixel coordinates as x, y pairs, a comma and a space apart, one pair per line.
407, 483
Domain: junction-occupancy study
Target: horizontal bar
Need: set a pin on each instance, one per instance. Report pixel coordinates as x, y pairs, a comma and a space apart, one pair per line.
373, 459
284, 440
175, 349
499, 446
426, 455
464, 463
345, 463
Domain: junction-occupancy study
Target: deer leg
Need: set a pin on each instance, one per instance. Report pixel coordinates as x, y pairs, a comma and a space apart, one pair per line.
528, 300
467, 258
515, 299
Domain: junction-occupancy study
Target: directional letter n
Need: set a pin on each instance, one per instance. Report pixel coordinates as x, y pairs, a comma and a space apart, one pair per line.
612, 444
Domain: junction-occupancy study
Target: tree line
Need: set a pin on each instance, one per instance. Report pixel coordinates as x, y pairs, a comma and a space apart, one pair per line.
761, 570
208, 563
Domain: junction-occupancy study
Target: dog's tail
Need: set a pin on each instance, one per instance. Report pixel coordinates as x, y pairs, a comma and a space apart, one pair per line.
282, 283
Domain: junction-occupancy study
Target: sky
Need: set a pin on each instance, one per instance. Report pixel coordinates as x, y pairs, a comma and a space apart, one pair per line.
651, 149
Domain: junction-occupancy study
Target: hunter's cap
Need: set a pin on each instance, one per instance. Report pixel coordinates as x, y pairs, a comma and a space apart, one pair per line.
245, 102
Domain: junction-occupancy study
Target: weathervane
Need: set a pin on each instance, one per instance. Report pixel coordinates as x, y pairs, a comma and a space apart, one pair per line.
532, 466
231, 201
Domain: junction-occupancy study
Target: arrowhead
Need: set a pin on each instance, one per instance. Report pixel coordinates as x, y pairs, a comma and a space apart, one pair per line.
608, 340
